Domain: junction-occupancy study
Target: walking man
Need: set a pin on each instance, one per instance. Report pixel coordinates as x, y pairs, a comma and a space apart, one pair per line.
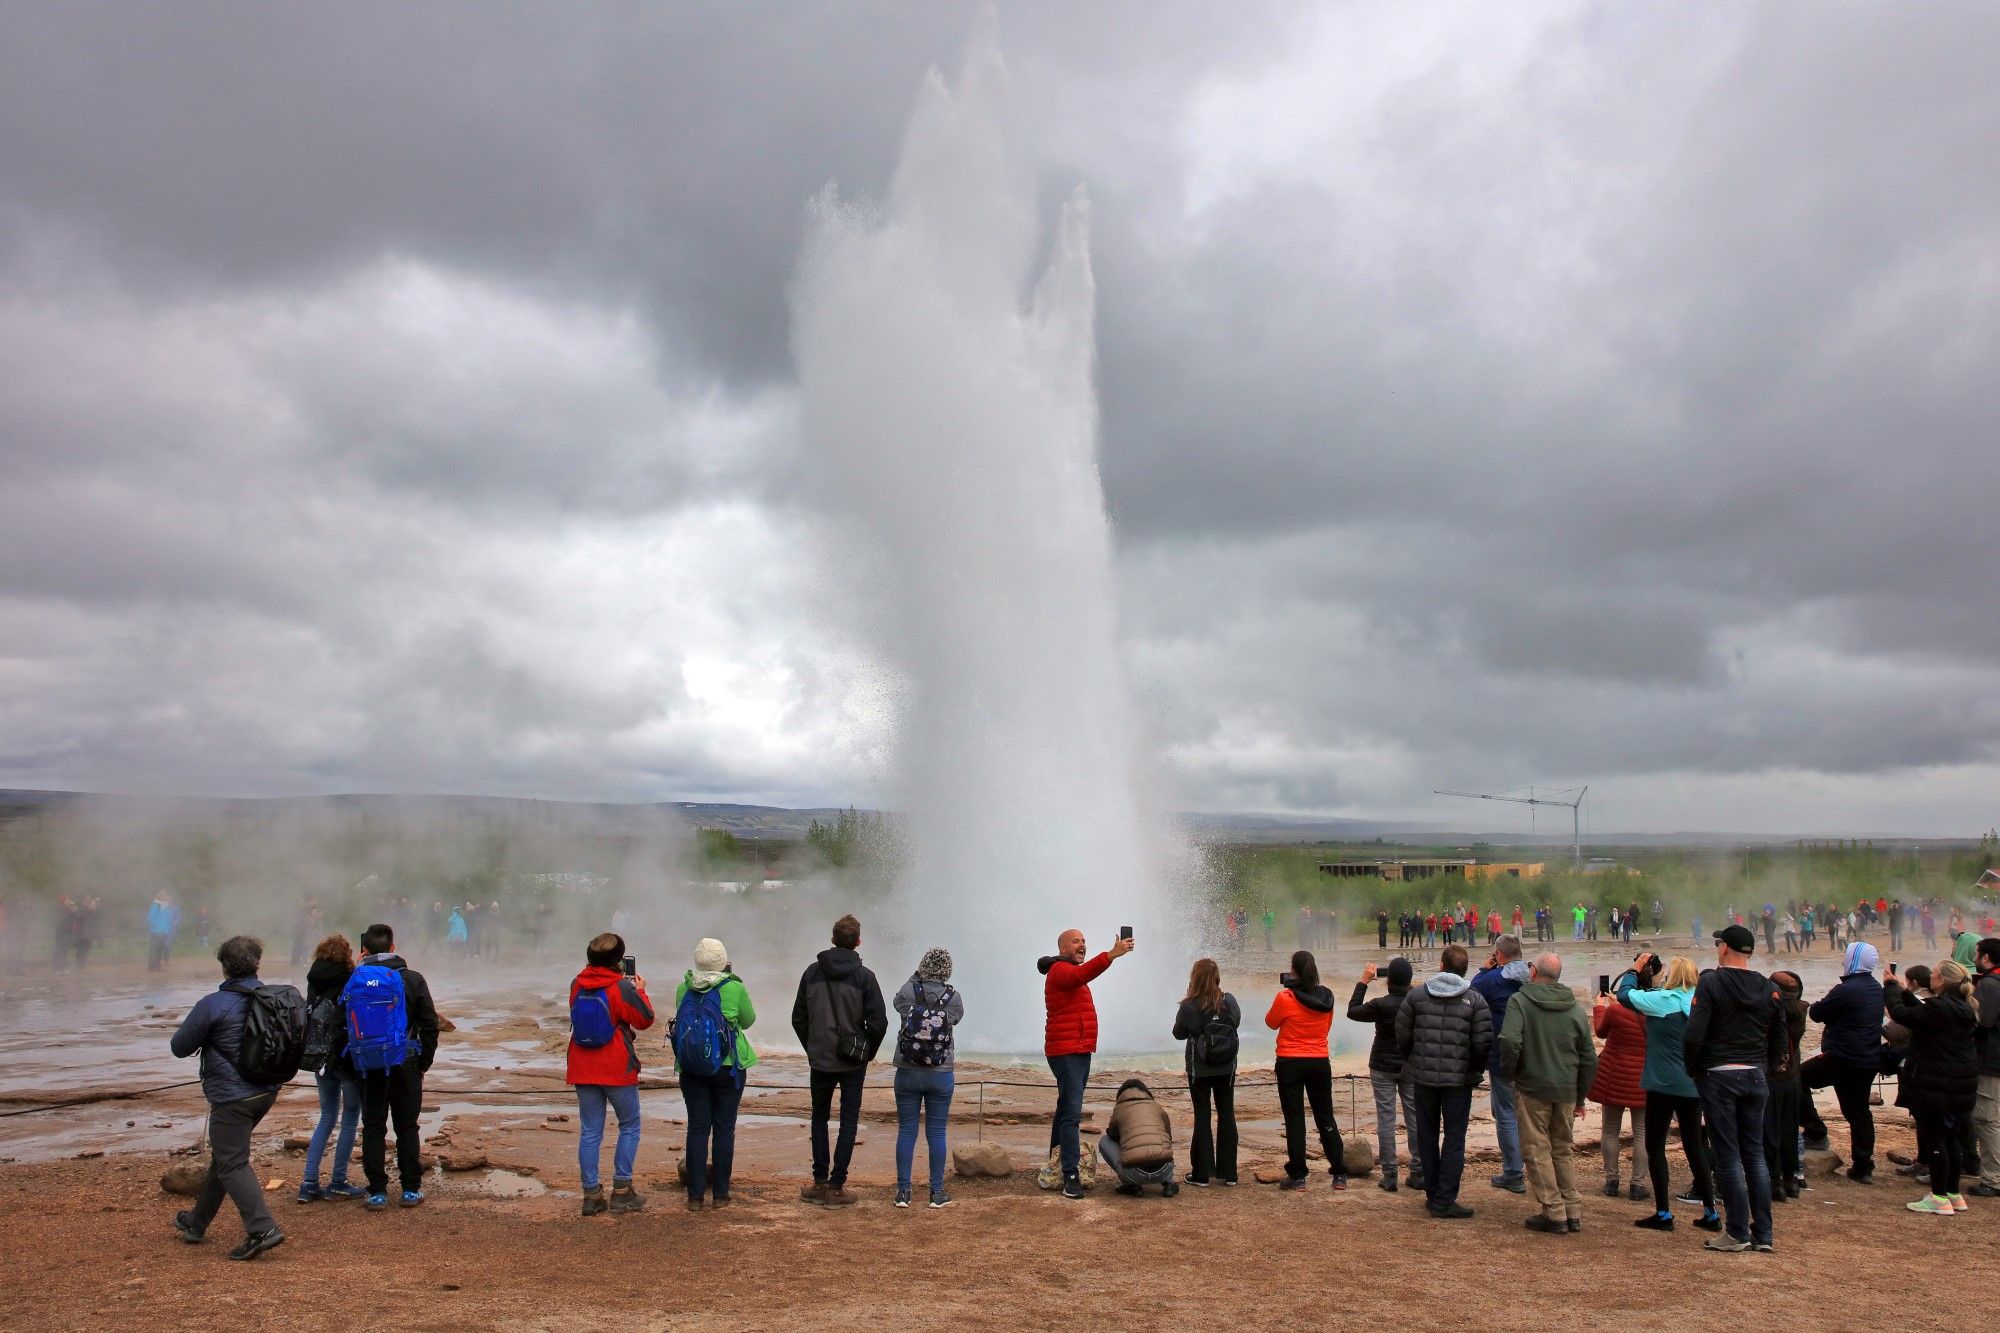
1444, 1032
840, 1020
1069, 1039
1735, 1040
1547, 1054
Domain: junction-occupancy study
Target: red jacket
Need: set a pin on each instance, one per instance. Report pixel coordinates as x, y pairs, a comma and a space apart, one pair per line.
615, 1065
1072, 1025
1623, 1058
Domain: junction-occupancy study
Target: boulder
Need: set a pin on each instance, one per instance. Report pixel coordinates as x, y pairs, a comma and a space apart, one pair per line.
982, 1159
184, 1178
298, 1142
462, 1161
1816, 1162
1267, 1175
1357, 1153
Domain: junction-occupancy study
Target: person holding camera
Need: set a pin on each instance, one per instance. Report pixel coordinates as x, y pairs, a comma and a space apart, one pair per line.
1207, 1021
1444, 1032
1662, 993
1386, 1075
840, 1018
606, 1006
1069, 1039
1301, 1013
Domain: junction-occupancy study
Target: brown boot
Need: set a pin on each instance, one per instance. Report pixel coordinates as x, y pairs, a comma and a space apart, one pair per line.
625, 1199
814, 1193
593, 1201
838, 1197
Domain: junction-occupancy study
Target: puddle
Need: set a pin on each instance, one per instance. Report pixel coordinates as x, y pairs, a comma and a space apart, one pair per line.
503, 1184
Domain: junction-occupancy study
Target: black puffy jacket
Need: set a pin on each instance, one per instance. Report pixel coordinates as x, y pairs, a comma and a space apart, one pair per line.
1942, 1071
1444, 1032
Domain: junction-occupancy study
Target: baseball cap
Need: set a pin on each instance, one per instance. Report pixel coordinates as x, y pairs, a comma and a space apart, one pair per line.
1738, 938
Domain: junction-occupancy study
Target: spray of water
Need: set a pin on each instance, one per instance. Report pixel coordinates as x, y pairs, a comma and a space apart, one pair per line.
954, 404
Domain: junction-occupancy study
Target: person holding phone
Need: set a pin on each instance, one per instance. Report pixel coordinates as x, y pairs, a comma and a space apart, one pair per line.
1386, 1076
1069, 1039
1302, 1013
607, 1004
1616, 1088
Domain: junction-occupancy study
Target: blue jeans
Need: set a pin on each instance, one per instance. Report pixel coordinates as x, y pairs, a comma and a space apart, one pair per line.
1506, 1125
1444, 1110
1071, 1073
339, 1097
1733, 1102
711, 1100
925, 1091
591, 1099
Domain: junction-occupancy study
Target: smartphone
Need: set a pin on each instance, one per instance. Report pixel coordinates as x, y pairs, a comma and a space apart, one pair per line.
1892, 969
1287, 980
1124, 932
1604, 983
629, 966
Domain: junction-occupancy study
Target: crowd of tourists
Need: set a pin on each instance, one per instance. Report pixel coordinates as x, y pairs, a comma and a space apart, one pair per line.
1711, 1055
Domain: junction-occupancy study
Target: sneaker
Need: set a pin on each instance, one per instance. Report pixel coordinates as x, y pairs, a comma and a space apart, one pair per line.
1339, 1181
1198, 1184
1574, 1225
1958, 1203
410, 1199
257, 1242
1688, 1196
1656, 1222
903, 1196
377, 1202
1292, 1183
1913, 1170
1229, 1182
188, 1231
1861, 1177
1611, 1188
343, 1190
1765, 1247
1984, 1191
1791, 1190
310, 1193
1544, 1225
1512, 1184
1386, 1184
1710, 1221
1449, 1211
939, 1199
814, 1193
1932, 1203
1817, 1145
1726, 1245
838, 1197
1072, 1188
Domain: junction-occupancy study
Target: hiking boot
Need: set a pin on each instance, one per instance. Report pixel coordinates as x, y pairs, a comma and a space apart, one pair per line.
1387, 1184
1710, 1221
625, 1199
410, 1199
1611, 1188
1544, 1225
343, 1190
1861, 1177
814, 1193
1726, 1245
1449, 1211
1128, 1189
718, 1201
1792, 1189
1414, 1181
1656, 1222
310, 1193
694, 1205
939, 1199
1512, 1184
902, 1196
838, 1197
257, 1242
1984, 1191
1573, 1225
1638, 1192
1072, 1188
593, 1201
1171, 1188
189, 1232
1292, 1183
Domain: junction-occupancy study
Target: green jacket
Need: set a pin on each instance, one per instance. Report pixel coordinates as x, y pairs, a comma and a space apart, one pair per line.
736, 1008
1965, 952
1546, 1049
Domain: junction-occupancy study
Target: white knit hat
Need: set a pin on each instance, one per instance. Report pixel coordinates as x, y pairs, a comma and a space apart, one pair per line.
710, 956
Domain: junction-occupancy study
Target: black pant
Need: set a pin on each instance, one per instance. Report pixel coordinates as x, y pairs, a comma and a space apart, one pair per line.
1947, 1151
229, 1171
1781, 1133
823, 1085
1851, 1084
1214, 1150
1442, 1111
1661, 1109
391, 1095
1302, 1079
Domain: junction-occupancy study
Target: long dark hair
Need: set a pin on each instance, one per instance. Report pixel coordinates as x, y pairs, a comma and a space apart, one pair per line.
1305, 970
1205, 986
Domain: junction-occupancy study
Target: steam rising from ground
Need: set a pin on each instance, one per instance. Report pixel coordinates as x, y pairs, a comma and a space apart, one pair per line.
960, 428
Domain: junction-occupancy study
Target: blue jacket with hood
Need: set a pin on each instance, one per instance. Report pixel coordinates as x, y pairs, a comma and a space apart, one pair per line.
1498, 985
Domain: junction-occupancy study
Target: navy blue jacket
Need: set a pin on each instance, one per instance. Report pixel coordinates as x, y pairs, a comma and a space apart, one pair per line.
215, 1028
1497, 987
1852, 1013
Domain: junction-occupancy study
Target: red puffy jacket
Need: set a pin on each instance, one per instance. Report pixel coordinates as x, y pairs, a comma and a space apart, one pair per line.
616, 1064
1072, 1025
1623, 1058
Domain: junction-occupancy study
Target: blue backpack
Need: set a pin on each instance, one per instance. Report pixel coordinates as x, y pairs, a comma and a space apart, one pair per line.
590, 1023
704, 1042
378, 1023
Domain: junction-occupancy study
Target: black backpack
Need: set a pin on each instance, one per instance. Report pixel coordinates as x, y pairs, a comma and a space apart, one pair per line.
274, 1035
326, 1033
1216, 1043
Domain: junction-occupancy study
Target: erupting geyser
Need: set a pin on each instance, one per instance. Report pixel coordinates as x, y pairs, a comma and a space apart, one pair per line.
956, 410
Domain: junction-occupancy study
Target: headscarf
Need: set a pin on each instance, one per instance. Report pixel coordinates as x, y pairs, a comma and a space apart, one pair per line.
711, 965
935, 965
1861, 957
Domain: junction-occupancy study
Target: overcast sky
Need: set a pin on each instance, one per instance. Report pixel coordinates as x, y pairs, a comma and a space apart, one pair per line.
400, 397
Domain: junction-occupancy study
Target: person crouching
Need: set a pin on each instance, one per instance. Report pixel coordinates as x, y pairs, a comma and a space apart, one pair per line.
605, 1008
1138, 1144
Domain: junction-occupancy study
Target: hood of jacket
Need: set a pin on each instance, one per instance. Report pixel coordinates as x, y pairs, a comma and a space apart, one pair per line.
1318, 997
1047, 961
1745, 985
389, 960
594, 977
1552, 996
694, 980
1447, 984
1517, 970
839, 964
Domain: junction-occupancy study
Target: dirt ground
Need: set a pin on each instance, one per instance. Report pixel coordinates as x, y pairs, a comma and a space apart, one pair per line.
88, 1242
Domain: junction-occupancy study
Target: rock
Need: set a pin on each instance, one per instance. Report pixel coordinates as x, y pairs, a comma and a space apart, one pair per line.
462, 1161
428, 1110
558, 1118
550, 1124
298, 1142
1820, 1162
982, 1159
446, 1025
1267, 1175
681, 1172
1357, 1154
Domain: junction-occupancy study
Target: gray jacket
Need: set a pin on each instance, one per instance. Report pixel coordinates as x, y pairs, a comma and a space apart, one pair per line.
934, 992
215, 1028
1444, 1031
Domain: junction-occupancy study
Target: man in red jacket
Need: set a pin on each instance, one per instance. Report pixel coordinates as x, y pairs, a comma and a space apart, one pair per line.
605, 1072
1070, 1039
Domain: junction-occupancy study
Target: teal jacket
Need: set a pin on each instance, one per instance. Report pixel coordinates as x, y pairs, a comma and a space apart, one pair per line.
736, 1008
1666, 1014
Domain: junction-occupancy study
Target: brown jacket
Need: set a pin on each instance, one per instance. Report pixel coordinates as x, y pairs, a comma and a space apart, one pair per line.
1139, 1127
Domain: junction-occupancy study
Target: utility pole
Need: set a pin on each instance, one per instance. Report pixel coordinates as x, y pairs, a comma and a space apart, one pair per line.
1574, 806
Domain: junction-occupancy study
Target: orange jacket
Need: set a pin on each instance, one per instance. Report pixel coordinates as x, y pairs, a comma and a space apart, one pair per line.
1301, 1023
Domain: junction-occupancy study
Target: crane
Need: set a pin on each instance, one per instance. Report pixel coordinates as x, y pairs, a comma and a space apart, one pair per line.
1575, 808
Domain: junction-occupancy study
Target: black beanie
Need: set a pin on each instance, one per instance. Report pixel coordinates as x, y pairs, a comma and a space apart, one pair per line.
1399, 972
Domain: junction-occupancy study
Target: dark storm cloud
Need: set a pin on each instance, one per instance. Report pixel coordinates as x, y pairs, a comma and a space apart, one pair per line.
400, 395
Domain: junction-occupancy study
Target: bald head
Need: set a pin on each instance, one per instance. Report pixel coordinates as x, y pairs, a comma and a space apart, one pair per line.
1069, 945
1549, 967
